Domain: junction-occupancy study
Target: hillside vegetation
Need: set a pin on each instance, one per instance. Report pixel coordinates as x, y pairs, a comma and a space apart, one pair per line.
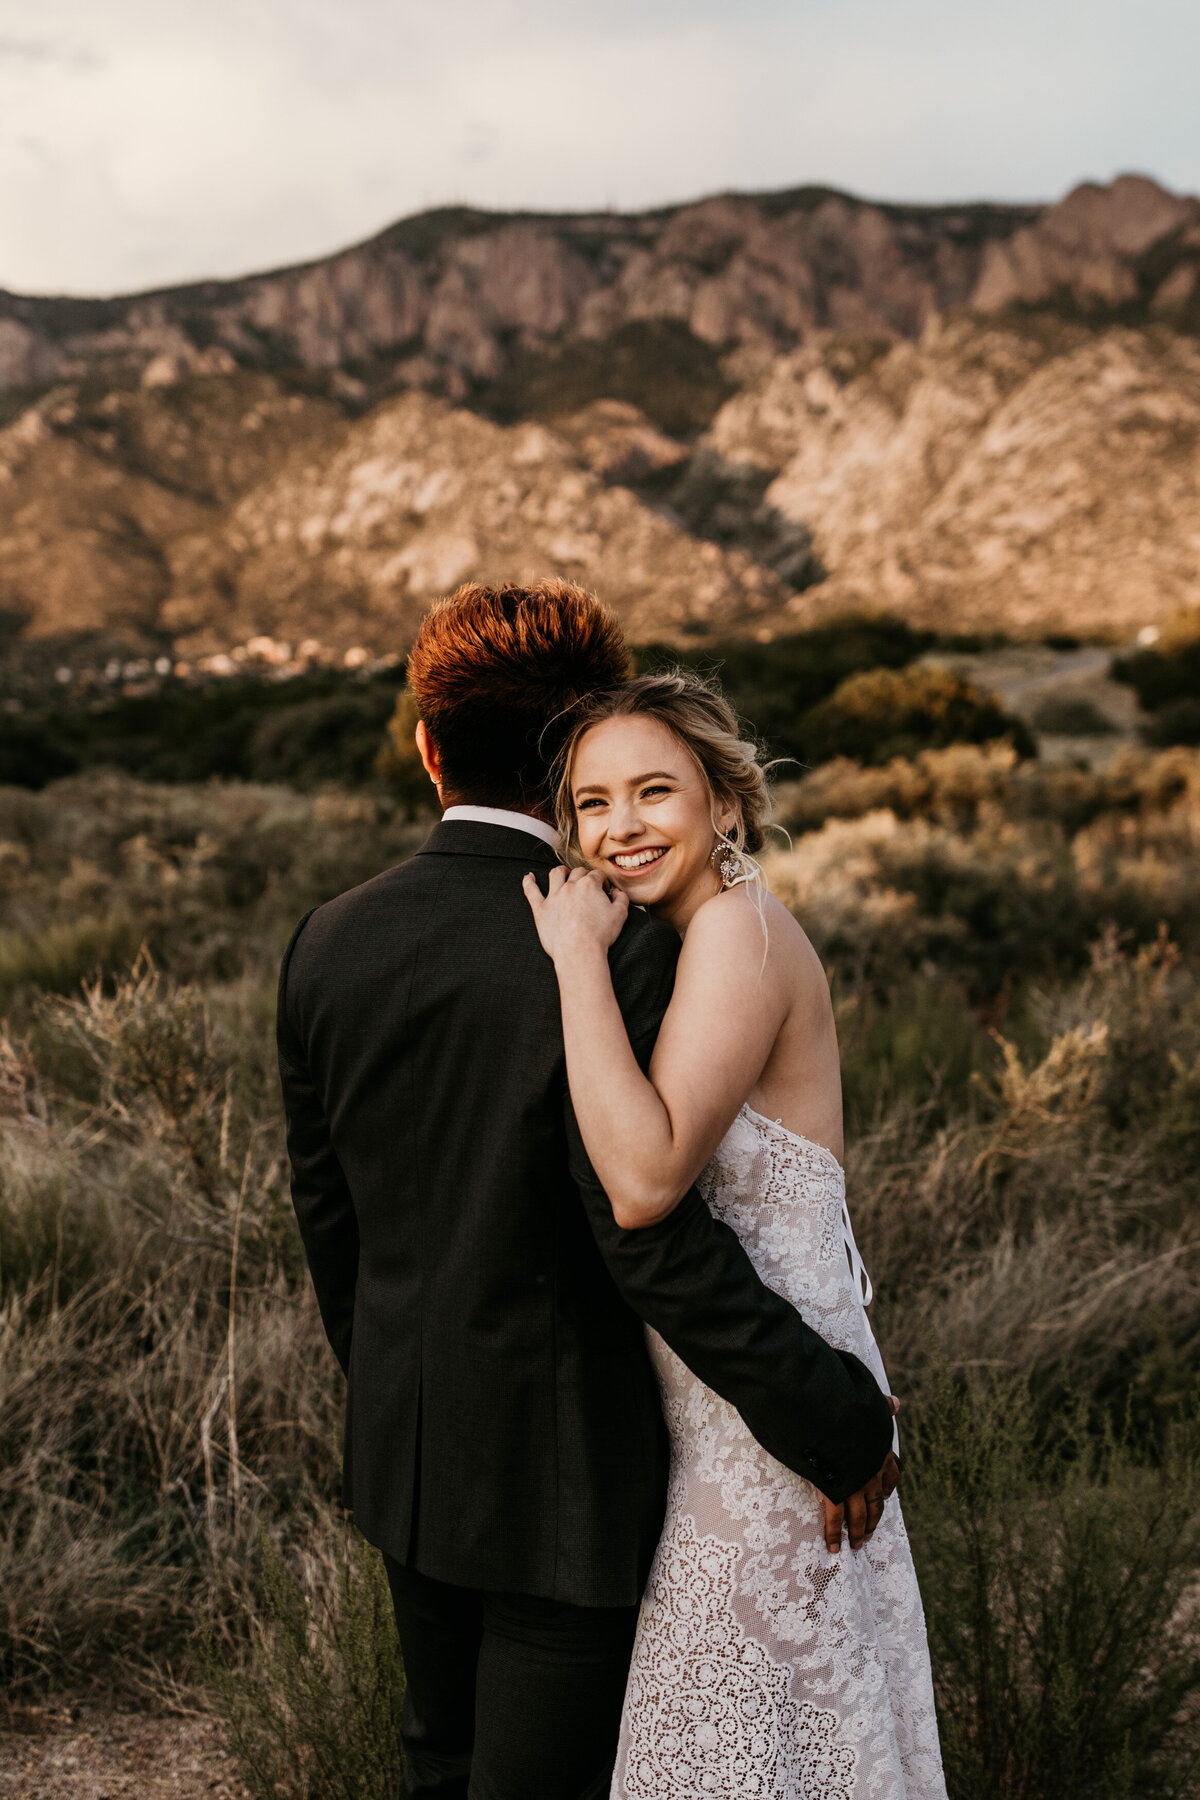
843, 688
1015, 963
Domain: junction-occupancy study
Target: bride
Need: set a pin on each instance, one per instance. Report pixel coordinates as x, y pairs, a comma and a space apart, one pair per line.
769, 1661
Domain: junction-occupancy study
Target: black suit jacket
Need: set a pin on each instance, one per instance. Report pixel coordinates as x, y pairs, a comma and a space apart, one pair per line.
503, 1422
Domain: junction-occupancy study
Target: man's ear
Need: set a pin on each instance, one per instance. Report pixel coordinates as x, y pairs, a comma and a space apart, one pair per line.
427, 750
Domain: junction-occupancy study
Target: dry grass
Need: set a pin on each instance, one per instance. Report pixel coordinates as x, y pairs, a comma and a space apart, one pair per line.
1016, 966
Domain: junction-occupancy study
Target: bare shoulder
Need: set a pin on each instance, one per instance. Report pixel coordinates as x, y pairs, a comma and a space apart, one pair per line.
739, 927
728, 924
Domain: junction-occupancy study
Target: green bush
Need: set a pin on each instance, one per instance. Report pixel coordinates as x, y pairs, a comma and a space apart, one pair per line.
397, 761
1059, 1595
772, 686
318, 728
312, 1708
882, 713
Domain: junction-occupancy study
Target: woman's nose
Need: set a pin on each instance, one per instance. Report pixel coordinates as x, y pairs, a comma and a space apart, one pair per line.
623, 823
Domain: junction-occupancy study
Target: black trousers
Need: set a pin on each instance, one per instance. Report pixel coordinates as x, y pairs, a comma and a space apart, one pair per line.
509, 1697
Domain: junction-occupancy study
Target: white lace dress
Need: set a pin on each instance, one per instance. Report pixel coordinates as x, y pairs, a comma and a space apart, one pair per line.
766, 1668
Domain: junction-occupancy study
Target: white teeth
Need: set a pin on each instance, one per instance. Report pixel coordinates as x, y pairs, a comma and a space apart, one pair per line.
637, 859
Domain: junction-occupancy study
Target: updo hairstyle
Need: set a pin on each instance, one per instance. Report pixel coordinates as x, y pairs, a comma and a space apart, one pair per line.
707, 727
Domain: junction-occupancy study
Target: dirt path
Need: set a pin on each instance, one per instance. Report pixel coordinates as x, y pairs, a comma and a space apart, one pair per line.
86, 1753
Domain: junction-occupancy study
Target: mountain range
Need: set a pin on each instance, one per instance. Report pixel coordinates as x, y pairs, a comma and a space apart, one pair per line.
737, 415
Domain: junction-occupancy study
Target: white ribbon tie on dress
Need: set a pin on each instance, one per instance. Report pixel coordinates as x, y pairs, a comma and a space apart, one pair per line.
862, 1281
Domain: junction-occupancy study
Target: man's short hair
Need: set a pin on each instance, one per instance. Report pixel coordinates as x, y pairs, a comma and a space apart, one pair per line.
495, 672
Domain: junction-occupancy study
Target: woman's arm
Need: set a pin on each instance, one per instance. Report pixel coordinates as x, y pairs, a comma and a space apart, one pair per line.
648, 1138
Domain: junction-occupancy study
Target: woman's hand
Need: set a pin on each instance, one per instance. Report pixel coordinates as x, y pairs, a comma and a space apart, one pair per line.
578, 917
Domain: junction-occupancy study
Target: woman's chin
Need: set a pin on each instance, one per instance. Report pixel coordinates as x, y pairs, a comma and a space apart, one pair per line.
643, 890
654, 890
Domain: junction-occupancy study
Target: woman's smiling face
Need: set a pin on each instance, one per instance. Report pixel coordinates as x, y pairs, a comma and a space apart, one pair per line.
644, 814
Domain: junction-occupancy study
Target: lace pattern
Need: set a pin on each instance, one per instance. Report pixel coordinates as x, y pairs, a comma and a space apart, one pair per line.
764, 1666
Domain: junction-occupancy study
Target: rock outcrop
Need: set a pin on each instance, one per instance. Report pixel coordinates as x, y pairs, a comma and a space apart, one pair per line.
452, 300
95, 488
418, 497
218, 510
1131, 246
1022, 479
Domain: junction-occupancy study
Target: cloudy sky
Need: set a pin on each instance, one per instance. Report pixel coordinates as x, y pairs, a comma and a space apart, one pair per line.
151, 141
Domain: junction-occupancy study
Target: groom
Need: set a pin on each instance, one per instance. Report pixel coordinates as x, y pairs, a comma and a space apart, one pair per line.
504, 1442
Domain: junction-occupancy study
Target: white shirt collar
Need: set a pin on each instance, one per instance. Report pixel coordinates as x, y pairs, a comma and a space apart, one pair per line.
500, 815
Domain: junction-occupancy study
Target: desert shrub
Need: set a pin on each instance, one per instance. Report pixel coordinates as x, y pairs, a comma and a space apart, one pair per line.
82, 1596
918, 1042
316, 728
951, 786
60, 955
1170, 671
312, 1704
1071, 715
773, 686
884, 898
1059, 1590
397, 760
882, 713
211, 879
987, 868
53, 1239
157, 1341
1043, 1211
967, 785
1176, 722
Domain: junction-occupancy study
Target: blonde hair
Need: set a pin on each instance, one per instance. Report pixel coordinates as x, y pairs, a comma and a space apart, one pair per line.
707, 727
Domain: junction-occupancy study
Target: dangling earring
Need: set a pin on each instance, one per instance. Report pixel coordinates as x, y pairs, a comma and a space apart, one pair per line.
727, 863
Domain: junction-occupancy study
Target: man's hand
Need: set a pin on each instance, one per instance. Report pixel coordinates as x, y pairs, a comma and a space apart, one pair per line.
861, 1513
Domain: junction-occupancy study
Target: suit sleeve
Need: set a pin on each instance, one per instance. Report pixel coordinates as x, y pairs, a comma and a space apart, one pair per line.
818, 1410
320, 1192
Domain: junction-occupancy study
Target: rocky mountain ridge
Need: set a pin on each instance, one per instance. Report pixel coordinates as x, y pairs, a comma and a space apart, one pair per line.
456, 301
737, 416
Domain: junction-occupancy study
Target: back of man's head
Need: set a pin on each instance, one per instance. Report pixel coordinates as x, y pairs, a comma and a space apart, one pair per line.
494, 673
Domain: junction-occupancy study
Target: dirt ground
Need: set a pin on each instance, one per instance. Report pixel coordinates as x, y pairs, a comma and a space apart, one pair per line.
87, 1753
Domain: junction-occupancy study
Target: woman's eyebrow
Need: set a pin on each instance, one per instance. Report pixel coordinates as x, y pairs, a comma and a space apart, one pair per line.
637, 781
